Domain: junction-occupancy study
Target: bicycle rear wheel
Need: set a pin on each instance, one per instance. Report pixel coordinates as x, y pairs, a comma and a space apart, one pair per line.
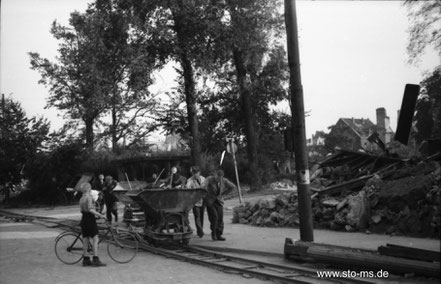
123, 247
69, 247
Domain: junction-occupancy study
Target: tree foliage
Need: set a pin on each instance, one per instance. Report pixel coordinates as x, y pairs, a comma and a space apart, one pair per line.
22, 138
127, 64
179, 28
75, 80
232, 69
242, 71
103, 68
425, 30
428, 108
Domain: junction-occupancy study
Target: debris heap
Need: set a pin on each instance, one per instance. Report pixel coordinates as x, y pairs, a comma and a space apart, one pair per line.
401, 197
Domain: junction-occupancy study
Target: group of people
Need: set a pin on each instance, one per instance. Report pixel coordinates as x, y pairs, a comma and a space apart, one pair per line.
216, 185
105, 187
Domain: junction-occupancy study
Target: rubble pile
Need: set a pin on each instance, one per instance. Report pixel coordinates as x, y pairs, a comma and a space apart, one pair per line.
281, 210
400, 198
410, 206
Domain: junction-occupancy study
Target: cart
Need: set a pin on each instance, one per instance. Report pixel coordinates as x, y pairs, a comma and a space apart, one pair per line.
166, 212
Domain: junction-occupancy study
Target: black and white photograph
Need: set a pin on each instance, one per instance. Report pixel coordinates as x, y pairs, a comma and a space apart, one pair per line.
220, 141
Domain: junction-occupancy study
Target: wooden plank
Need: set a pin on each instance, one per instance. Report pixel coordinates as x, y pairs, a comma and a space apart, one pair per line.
309, 244
349, 185
410, 253
365, 260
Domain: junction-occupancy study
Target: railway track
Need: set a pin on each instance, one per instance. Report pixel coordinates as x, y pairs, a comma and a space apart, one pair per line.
201, 256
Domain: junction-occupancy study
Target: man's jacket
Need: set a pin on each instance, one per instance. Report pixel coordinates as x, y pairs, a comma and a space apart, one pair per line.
216, 190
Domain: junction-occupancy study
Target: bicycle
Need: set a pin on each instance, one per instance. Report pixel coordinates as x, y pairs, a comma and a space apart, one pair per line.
122, 245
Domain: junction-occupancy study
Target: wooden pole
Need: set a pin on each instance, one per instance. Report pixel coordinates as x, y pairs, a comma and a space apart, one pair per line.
235, 169
127, 178
298, 124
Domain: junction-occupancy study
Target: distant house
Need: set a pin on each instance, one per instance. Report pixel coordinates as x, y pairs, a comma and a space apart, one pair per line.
318, 139
353, 133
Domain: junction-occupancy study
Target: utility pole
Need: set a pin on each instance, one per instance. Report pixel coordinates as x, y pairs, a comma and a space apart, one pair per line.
3, 116
298, 124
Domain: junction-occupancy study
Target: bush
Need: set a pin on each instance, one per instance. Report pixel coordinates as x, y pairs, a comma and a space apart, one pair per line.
25, 197
210, 162
266, 167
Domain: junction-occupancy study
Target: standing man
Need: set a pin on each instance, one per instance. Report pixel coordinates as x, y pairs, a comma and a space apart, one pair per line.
217, 186
196, 181
175, 180
110, 199
99, 186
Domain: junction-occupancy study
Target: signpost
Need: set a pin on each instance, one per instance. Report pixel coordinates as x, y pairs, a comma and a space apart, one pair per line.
232, 149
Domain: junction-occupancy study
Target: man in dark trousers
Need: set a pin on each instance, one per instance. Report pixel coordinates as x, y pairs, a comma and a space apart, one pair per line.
110, 199
217, 186
196, 181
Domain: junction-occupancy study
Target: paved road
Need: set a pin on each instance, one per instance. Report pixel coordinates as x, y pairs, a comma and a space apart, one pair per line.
27, 256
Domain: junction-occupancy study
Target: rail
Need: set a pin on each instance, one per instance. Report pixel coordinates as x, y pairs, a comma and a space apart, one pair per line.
203, 256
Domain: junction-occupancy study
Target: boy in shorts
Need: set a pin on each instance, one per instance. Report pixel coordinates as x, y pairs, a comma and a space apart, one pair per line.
89, 227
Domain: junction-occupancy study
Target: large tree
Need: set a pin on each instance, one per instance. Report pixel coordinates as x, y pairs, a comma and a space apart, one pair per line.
21, 139
222, 115
74, 81
181, 29
252, 28
425, 33
103, 68
243, 72
126, 64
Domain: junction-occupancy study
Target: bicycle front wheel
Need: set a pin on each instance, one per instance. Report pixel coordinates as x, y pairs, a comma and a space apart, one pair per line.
69, 247
123, 247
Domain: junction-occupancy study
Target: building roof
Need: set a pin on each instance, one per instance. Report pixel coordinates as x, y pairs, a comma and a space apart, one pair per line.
361, 126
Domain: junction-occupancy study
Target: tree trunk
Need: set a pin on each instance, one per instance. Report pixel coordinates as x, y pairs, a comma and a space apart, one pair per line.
113, 128
189, 87
250, 122
193, 120
89, 133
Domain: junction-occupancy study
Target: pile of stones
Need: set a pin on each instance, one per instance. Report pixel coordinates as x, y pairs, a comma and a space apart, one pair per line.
406, 204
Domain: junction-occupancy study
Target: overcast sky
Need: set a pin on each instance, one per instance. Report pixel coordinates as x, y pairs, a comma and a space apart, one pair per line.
353, 56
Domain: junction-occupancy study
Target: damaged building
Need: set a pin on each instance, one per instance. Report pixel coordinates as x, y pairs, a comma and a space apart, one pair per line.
354, 133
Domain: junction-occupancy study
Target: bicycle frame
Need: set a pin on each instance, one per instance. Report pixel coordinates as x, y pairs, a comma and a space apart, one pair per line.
102, 236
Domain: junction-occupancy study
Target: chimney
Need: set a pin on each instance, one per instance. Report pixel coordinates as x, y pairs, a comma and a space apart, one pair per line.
381, 118
387, 123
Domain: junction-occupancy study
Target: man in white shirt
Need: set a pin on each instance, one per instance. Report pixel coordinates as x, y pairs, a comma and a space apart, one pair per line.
196, 181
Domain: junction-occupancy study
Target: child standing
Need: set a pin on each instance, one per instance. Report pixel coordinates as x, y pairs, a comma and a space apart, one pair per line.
89, 227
